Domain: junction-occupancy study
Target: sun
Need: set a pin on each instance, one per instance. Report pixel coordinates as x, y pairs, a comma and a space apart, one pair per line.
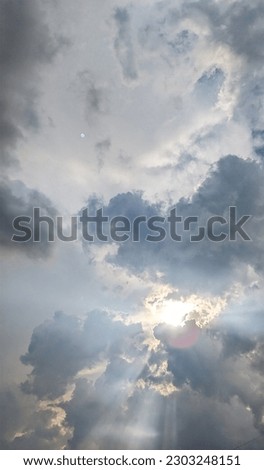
173, 312
165, 305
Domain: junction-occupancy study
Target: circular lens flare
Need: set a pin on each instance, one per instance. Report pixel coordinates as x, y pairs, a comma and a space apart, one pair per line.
184, 337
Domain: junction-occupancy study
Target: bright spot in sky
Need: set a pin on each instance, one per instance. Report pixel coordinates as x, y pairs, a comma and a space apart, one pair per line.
173, 312
82, 135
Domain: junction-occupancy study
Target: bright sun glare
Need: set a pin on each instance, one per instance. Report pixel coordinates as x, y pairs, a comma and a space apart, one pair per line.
173, 312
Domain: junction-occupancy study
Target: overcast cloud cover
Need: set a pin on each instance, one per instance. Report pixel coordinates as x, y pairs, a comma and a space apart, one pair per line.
137, 108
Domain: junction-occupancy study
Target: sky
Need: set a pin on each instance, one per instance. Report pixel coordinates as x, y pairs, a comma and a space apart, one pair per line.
136, 108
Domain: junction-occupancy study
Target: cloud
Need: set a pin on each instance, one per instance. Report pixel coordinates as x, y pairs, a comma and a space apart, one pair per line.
19, 201
258, 139
123, 44
10, 414
23, 426
213, 424
221, 363
62, 347
237, 25
181, 126
124, 393
66, 348
26, 44
233, 181
102, 148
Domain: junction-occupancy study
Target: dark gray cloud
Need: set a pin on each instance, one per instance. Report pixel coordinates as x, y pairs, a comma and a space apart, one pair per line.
10, 413
237, 25
25, 427
231, 182
220, 365
258, 140
130, 205
39, 433
84, 398
123, 406
94, 93
102, 147
212, 424
26, 44
19, 201
95, 99
123, 44
63, 346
